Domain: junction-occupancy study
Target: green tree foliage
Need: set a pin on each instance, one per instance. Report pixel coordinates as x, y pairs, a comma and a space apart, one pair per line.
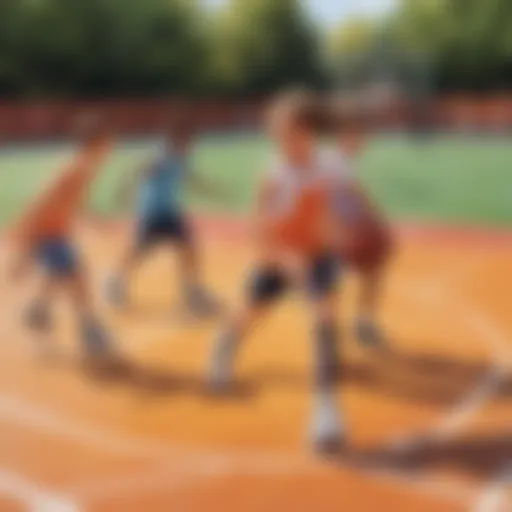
469, 42
63, 48
101, 47
351, 50
261, 45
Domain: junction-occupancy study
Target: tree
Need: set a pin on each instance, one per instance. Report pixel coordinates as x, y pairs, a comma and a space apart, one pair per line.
264, 45
350, 50
468, 41
101, 47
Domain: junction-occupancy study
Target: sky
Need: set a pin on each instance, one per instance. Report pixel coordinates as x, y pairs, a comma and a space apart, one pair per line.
332, 12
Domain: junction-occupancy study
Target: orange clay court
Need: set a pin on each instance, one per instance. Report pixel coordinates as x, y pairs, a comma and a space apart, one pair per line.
430, 424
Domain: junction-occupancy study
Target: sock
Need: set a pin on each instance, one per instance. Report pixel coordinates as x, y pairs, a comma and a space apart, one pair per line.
327, 362
94, 335
224, 349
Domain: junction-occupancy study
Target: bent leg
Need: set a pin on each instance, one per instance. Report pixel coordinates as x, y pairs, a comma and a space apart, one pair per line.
265, 286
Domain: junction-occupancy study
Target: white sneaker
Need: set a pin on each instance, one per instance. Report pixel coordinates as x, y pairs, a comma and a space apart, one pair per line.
328, 431
220, 375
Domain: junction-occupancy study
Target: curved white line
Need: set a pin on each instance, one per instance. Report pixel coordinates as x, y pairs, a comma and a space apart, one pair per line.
33, 495
493, 498
34, 416
495, 342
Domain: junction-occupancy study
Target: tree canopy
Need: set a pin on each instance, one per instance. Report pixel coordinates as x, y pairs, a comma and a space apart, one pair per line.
63, 48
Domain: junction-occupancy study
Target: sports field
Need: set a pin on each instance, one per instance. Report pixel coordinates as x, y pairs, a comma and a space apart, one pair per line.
462, 180
430, 423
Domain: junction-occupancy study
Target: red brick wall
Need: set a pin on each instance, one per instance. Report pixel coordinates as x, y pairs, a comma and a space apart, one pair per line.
54, 119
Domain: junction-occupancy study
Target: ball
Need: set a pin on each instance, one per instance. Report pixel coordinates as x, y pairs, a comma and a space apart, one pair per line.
368, 244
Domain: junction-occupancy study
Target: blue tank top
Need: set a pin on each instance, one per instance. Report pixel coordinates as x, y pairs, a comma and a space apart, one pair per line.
161, 192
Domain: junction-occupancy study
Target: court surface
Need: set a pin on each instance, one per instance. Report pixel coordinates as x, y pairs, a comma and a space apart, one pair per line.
430, 424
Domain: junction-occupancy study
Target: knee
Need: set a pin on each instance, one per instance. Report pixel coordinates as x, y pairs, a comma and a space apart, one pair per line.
265, 286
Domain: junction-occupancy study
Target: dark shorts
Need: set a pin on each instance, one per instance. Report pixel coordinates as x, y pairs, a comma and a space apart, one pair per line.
57, 257
165, 228
267, 284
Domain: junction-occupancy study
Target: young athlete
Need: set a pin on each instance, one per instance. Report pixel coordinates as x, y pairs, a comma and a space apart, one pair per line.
160, 187
366, 243
294, 218
43, 236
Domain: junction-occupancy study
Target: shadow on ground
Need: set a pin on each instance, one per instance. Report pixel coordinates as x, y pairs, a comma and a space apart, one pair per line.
480, 457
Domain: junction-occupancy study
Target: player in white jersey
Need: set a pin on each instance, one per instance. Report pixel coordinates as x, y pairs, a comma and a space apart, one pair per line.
296, 224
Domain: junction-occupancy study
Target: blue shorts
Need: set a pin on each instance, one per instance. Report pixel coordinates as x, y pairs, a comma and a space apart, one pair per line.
172, 227
57, 257
268, 283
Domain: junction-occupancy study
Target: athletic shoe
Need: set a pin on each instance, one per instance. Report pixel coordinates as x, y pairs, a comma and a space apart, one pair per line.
328, 430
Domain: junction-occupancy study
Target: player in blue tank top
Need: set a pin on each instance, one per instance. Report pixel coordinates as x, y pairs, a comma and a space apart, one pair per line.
160, 186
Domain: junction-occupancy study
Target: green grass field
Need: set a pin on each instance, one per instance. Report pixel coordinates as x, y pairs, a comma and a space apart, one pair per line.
443, 179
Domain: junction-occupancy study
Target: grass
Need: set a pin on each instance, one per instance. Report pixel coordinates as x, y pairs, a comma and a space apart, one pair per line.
443, 179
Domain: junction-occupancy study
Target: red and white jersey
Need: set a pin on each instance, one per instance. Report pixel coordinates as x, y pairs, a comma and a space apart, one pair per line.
340, 164
299, 210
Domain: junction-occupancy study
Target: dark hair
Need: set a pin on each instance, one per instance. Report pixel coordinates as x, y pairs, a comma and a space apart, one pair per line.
301, 106
351, 114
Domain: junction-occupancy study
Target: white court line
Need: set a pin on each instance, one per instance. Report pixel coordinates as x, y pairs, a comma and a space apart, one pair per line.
500, 353
186, 463
34, 416
493, 498
29, 415
496, 343
164, 478
32, 495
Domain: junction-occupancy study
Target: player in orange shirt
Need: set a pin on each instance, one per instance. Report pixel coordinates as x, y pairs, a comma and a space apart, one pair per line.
294, 219
43, 237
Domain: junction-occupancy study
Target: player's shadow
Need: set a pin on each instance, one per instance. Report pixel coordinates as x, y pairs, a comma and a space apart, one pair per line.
478, 457
158, 382
434, 379
145, 380
151, 382
419, 378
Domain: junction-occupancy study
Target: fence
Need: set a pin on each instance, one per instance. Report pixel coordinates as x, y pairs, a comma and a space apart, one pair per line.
50, 120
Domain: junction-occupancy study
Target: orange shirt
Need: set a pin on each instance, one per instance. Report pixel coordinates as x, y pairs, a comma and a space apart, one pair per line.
299, 216
53, 212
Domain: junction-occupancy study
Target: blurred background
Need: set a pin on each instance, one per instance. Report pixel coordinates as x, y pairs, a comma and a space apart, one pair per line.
439, 156
441, 153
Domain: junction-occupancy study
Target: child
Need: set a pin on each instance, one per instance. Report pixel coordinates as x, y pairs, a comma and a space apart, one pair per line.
43, 236
366, 242
294, 219
160, 219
